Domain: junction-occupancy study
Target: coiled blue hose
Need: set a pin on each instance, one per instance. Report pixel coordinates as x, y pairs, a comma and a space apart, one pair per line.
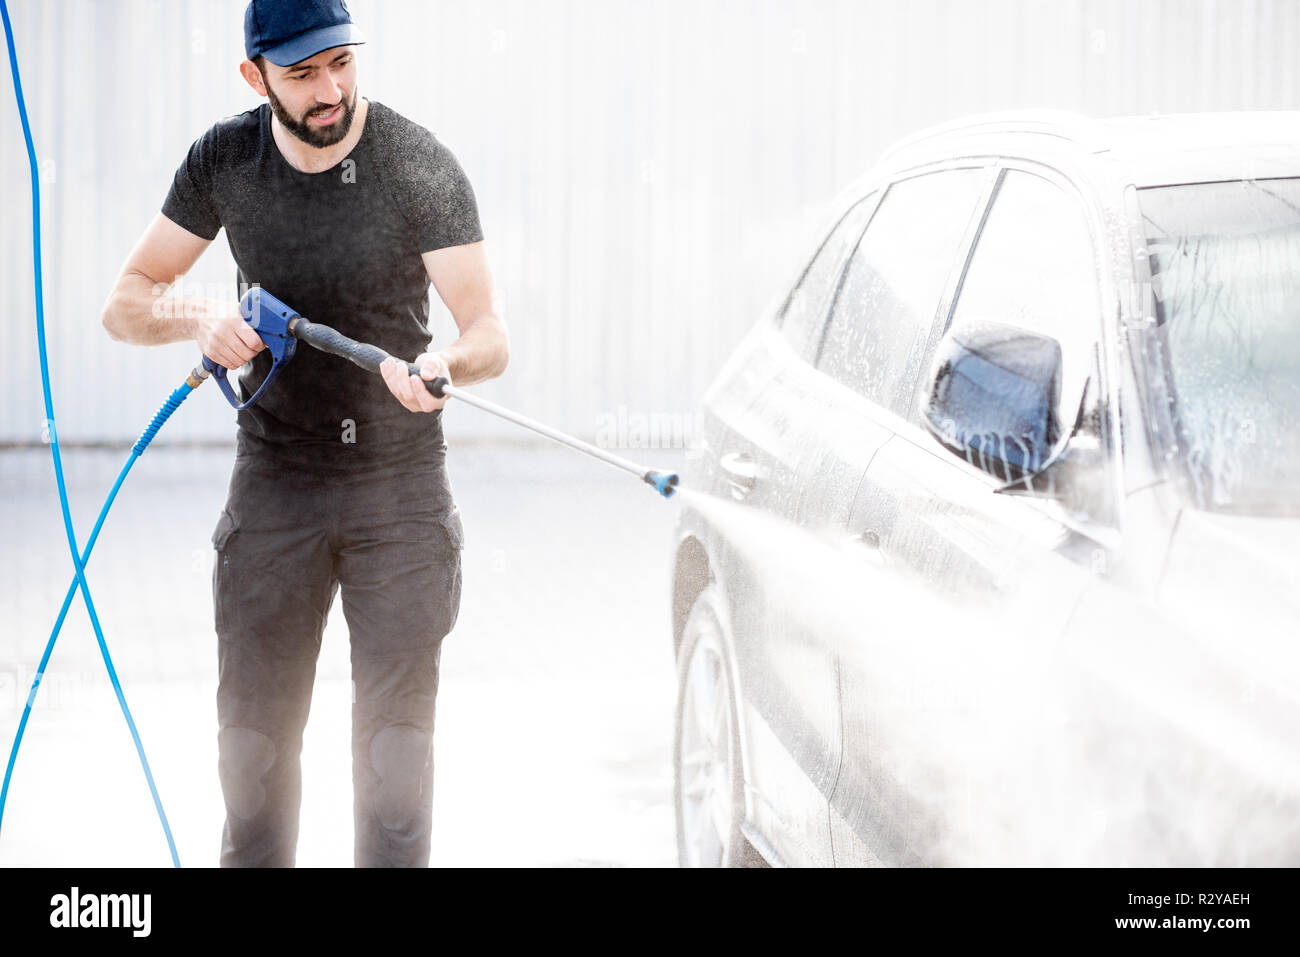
173, 402
78, 560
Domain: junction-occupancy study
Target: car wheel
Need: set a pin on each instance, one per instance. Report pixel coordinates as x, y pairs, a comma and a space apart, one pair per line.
708, 784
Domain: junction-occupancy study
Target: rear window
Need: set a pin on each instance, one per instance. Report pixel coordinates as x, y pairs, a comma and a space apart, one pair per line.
806, 308
886, 306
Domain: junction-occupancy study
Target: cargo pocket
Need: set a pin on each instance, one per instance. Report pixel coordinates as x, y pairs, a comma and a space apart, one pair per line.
222, 571
451, 524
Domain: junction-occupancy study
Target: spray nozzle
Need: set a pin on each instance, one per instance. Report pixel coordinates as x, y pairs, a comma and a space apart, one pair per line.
665, 483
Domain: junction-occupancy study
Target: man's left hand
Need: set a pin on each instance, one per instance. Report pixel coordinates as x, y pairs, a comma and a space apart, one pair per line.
410, 390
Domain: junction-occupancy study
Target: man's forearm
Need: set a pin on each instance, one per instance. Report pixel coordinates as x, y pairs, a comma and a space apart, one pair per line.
139, 312
481, 352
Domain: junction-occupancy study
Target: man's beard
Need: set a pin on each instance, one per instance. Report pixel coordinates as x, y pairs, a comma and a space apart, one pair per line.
318, 136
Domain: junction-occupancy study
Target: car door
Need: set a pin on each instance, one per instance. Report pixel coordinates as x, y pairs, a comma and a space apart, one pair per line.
814, 439
939, 688
787, 711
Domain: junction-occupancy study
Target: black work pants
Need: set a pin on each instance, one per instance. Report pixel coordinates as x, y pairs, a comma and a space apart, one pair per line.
287, 541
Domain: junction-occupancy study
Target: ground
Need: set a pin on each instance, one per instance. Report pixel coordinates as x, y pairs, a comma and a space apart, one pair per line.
554, 731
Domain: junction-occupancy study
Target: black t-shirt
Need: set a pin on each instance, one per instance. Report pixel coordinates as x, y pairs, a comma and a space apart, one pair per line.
340, 247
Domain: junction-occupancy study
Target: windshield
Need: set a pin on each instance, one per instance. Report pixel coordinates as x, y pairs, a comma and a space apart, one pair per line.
1225, 259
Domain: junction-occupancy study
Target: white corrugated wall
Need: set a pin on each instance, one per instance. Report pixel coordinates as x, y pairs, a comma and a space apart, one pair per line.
647, 172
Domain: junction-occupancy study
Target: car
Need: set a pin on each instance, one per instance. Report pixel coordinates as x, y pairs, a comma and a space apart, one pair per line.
989, 558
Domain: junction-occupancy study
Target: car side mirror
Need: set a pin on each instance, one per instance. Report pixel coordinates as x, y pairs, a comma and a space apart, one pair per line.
994, 396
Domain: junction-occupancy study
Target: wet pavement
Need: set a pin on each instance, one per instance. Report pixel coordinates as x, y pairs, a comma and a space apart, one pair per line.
553, 741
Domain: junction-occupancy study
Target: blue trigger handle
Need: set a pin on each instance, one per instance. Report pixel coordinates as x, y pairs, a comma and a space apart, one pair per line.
270, 318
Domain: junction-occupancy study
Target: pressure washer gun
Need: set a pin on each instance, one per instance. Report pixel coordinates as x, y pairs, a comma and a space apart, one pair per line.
281, 328
269, 317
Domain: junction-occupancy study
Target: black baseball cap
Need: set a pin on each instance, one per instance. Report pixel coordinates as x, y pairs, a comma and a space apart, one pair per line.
290, 31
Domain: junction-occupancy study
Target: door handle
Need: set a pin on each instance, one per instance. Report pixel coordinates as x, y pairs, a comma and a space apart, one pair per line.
741, 472
866, 547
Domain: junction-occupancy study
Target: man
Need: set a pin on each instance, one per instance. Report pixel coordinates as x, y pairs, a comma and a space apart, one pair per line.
346, 211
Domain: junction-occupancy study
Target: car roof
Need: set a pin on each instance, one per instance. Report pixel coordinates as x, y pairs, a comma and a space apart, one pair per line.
1151, 150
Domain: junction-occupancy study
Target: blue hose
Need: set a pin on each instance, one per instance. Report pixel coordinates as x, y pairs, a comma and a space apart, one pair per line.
78, 560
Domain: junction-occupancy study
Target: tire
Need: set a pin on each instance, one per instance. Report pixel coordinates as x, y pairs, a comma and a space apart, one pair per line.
708, 786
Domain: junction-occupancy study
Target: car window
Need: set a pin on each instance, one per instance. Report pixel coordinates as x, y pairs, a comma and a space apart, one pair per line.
1033, 267
886, 304
1225, 260
806, 307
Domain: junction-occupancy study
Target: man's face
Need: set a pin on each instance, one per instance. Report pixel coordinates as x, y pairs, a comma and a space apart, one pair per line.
316, 99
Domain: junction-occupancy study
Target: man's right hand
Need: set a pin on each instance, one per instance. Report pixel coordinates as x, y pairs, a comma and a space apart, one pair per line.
223, 335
